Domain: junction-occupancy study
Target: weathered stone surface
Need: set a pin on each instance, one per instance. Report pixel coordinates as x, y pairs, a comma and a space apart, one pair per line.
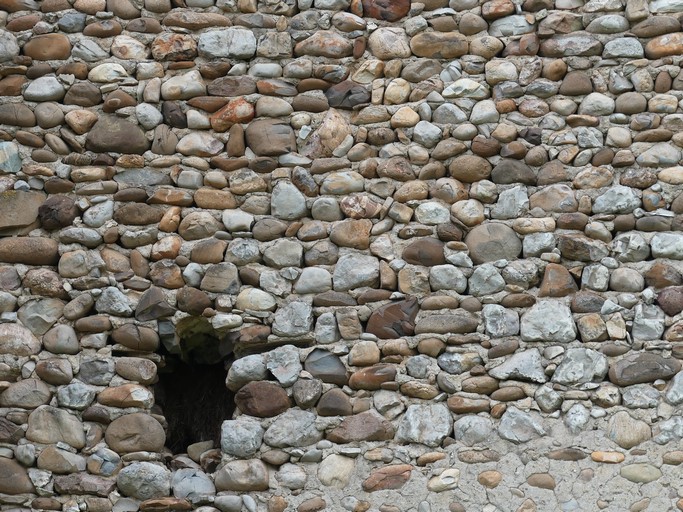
548, 321
49, 425
403, 228
116, 135
262, 399
29, 250
293, 428
135, 432
640, 368
144, 480
366, 426
425, 424
491, 242
388, 477
13, 478
394, 320
17, 340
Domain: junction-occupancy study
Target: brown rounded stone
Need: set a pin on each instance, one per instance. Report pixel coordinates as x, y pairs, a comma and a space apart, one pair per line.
470, 168
670, 299
106, 28
541, 480
463, 405
262, 399
351, 233
334, 403
13, 478
664, 46
143, 339
439, 45
490, 479
135, 432
193, 301
48, 47
12, 85
373, 377
427, 252
576, 83
29, 250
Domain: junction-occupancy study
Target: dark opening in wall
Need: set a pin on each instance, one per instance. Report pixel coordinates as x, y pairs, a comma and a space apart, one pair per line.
194, 401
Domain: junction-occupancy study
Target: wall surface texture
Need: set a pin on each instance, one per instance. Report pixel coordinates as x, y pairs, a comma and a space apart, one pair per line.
436, 248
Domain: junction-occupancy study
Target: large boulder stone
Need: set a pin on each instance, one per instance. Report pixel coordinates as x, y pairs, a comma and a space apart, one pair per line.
116, 135
493, 241
270, 137
19, 209
49, 425
29, 250
135, 432
17, 340
13, 478
394, 320
548, 321
144, 481
425, 424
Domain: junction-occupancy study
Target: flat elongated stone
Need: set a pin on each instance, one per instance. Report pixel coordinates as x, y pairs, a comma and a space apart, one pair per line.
640, 368
388, 477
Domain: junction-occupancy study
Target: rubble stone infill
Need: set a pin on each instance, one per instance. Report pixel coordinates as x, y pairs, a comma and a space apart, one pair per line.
435, 248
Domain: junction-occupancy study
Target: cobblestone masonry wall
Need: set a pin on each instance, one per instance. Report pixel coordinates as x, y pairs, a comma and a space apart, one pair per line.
437, 246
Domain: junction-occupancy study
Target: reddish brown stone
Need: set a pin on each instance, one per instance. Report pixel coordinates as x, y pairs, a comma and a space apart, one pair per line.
262, 399
12, 85
427, 252
373, 377
106, 28
671, 300
235, 111
174, 47
164, 504
388, 477
557, 282
661, 275
388, 10
48, 47
394, 320
463, 405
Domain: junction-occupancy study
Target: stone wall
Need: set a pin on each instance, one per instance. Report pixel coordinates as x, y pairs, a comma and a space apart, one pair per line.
437, 247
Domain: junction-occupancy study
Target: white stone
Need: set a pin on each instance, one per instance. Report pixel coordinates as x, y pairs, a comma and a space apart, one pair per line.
548, 321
